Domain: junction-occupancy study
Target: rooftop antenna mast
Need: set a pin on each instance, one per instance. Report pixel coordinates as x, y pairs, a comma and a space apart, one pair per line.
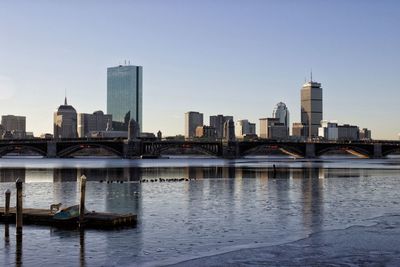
311, 75
65, 94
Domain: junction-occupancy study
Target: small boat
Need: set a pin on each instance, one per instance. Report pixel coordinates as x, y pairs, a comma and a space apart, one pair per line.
67, 213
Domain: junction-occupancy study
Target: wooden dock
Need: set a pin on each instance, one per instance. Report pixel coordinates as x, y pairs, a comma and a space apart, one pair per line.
93, 220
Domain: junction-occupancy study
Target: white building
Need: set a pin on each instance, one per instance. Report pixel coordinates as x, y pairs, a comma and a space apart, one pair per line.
333, 131
244, 127
328, 130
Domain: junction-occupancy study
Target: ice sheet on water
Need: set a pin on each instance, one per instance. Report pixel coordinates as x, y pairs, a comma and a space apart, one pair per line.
374, 245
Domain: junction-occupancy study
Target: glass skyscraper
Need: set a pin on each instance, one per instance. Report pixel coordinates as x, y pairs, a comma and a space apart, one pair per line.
124, 95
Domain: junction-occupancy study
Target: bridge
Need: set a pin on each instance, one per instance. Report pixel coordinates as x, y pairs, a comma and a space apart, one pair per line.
143, 148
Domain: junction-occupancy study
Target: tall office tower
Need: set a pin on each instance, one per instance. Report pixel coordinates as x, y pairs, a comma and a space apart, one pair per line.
92, 122
124, 95
15, 124
311, 107
65, 125
193, 119
281, 112
218, 122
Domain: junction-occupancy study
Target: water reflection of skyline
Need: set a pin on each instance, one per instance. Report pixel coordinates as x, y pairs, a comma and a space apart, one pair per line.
136, 174
224, 206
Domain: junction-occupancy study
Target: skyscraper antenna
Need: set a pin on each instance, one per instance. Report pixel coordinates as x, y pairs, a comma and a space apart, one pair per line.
65, 94
311, 75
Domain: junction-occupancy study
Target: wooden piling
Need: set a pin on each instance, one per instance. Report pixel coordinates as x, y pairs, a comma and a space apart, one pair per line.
19, 210
7, 234
82, 201
7, 206
18, 251
274, 175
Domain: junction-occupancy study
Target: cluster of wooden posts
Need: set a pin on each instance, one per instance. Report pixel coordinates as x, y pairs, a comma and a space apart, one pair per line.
93, 219
19, 213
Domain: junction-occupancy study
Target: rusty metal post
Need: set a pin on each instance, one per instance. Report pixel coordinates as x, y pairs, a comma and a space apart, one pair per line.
7, 206
19, 211
82, 201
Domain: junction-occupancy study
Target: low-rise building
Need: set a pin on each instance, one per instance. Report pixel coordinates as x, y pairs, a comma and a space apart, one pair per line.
229, 130
365, 134
272, 128
218, 122
348, 132
15, 124
92, 122
206, 132
244, 127
332, 131
328, 130
299, 130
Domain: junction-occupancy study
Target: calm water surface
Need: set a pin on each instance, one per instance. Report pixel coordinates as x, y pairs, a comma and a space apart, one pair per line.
226, 206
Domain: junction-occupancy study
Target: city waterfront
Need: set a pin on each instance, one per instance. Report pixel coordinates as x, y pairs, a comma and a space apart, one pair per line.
241, 206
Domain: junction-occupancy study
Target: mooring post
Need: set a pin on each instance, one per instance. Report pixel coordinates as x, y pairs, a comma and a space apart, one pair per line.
274, 170
82, 202
18, 251
18, 216
7, 206
7, 234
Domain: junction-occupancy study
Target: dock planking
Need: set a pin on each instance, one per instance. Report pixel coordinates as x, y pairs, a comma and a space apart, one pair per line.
93, 220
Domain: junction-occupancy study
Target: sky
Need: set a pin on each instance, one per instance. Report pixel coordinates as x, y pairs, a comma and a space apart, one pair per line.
232, 57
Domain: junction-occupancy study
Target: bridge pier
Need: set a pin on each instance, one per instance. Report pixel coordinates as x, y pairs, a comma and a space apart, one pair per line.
377, 151
51, 149
310, 151
132, 149
230, 150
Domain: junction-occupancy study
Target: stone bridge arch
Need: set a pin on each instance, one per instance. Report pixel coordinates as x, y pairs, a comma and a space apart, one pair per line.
41, 150
357, 150
297, 150
157, 148
68, 150
389, 149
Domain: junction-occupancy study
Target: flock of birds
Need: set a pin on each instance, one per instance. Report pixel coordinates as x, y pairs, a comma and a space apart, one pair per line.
110, 182
161, 180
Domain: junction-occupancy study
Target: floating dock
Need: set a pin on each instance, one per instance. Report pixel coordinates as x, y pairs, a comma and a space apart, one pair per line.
93, 220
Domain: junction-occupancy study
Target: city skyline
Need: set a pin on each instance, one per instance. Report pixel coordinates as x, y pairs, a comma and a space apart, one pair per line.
198, 57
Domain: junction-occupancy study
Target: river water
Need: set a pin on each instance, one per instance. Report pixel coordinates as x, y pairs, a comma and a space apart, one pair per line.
230, 211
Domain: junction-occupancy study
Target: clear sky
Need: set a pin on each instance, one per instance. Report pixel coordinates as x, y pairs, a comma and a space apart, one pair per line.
231, 57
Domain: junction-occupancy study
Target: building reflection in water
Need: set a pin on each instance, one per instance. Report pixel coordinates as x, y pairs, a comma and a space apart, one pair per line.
312, 188
82, 256
8, 175
65, 175
18, 250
